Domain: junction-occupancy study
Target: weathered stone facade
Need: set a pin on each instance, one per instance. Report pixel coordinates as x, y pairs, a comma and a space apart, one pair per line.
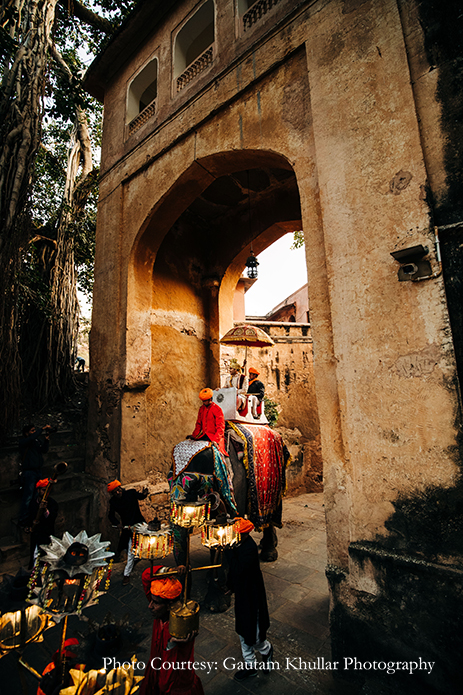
343, 118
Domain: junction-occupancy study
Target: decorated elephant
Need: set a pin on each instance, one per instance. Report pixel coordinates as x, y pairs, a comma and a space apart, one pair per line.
250, 481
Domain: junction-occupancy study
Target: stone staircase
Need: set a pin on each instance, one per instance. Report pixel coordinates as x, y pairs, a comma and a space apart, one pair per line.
73, 491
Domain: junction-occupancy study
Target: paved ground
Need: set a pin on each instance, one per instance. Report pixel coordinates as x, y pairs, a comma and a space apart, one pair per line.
298, 599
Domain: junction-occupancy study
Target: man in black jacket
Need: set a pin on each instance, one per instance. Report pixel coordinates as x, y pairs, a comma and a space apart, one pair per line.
124, 504
252, 620
32, 445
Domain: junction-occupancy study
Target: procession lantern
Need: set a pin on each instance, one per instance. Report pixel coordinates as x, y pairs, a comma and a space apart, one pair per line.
219, 533
71, 575
190, 514
18, 628
184, 615
148, 544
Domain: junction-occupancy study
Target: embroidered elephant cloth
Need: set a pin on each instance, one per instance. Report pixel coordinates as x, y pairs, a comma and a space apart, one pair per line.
264, 461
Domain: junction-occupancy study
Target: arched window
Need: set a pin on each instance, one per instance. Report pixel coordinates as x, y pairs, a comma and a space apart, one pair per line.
141, 97
194, 45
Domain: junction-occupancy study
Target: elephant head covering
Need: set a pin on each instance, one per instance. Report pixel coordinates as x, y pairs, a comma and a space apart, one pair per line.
112, 486
205, 394
243, 525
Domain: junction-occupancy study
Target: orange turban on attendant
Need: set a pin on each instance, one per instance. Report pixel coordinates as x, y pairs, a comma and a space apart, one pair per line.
243, 525
168, 587
112, 486
205, 394
253, 370
42, 483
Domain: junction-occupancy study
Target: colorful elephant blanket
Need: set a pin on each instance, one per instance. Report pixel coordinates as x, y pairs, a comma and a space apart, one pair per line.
264, 460
181, 479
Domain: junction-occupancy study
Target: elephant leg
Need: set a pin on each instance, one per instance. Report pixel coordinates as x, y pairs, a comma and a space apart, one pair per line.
218, 596
268, 544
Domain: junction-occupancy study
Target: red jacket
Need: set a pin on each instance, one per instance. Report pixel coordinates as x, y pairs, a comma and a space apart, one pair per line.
211, 423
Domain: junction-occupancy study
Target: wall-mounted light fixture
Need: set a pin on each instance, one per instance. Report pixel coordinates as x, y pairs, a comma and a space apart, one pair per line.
413, 266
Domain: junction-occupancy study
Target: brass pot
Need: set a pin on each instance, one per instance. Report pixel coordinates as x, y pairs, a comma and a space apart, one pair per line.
184, 619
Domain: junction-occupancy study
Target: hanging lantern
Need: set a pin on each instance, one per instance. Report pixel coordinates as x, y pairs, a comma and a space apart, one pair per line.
219, 533
148, 545
71, 575
190, 514
251, 266
18, 628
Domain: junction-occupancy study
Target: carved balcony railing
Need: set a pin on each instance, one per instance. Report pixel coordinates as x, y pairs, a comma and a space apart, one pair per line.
193, 70
142, 117
257, 11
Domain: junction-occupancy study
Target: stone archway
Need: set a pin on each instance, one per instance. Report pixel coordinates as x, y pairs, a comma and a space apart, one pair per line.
183, 275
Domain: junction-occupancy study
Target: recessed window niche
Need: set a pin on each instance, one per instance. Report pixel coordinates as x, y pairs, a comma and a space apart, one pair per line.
141, 96
194, 46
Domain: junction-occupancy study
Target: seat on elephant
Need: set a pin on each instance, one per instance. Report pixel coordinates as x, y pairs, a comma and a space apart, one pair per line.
264, 458
237, 406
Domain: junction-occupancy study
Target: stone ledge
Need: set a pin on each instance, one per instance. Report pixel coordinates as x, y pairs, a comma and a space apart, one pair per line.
374, 552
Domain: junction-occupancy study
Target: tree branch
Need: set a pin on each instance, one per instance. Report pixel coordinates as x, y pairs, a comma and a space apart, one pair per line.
87, 16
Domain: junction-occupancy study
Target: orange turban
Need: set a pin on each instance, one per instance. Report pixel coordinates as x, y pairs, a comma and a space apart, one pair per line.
253, 370
112, 486
205, 394
42, 483
168, 587
243, 525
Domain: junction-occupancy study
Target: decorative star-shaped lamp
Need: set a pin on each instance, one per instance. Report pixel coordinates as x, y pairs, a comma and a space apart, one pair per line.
71, 575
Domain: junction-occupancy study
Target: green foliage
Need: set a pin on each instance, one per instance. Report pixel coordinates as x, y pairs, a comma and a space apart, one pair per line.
271, 411
51, 234
47, 192
84, 240
298, 240
34, 290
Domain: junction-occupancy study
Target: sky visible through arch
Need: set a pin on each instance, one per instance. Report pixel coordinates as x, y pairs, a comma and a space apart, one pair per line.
282, 271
